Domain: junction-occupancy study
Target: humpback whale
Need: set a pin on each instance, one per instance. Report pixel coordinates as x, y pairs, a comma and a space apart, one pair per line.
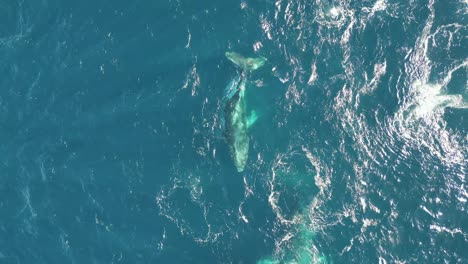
236, 119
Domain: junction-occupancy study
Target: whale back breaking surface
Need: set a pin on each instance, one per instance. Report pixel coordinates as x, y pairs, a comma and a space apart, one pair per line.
231, 89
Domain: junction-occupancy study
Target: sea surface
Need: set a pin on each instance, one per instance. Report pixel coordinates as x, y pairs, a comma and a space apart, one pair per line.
114, 151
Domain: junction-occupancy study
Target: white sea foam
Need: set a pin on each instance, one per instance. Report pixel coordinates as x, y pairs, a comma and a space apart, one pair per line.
313, 75
379, 70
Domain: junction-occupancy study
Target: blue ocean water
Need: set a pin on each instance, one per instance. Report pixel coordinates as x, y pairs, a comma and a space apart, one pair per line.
114, 150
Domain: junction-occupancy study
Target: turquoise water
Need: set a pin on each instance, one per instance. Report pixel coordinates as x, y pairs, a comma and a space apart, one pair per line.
114, 150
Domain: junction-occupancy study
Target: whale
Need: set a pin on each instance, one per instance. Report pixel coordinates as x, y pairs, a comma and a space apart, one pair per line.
237, 120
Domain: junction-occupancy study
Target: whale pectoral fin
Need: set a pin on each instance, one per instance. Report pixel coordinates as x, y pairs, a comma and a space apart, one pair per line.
252, 119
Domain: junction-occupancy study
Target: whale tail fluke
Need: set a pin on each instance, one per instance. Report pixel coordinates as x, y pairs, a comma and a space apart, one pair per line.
247, 64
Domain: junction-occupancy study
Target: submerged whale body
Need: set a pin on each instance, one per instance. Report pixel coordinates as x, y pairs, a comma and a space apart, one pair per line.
237, 120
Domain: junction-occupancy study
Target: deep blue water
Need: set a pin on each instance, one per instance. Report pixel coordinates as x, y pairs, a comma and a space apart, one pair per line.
114, 151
